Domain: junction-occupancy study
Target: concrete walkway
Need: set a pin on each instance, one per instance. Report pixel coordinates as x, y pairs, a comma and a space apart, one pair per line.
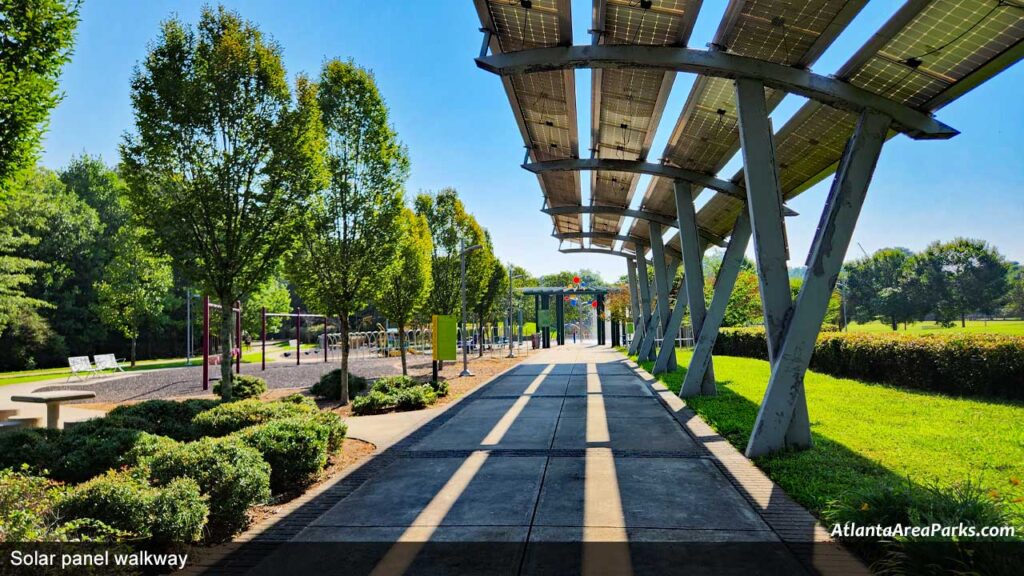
571, 462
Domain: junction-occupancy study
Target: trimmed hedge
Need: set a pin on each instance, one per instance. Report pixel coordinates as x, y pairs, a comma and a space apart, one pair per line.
295, 448
956, 364
233, 416
32, 446
244, 387
329, 386
164, 417
174, 514
233, 476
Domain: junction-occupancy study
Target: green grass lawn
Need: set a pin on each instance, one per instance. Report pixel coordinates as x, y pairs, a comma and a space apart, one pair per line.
1010, 327
867, 433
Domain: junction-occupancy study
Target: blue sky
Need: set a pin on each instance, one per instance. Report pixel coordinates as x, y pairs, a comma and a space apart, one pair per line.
460, 131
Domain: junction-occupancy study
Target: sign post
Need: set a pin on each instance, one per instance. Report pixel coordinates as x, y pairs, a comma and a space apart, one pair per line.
442, 336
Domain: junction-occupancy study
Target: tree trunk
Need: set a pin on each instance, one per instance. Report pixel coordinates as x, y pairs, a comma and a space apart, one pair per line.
480, 331
227, 340
343, 397
895, 324
134, 341
963, 320
401, 346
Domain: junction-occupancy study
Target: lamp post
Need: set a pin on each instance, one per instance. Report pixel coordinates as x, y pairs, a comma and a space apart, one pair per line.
508, 324
462, 320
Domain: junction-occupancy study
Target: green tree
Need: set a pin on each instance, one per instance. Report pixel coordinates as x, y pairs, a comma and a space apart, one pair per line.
222, 161
1015, 293
885, 286
965, 275
35, 42
350, 231
451, 226
744, 306
275, 297
134, 287
492, 301
407, 280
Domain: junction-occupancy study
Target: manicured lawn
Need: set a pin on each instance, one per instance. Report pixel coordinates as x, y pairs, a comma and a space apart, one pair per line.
1010, 327
868, 433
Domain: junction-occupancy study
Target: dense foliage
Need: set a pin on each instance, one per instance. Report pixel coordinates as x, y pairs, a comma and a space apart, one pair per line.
959, 364
329, 385
398, 393
244, 387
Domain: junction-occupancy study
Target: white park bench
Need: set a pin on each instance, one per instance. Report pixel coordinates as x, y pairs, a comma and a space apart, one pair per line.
108, 362
53, 400
80, 365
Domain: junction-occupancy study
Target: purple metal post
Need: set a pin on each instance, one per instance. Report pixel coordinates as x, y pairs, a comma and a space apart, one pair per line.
298, 336
238, 336
206, 342
263, 338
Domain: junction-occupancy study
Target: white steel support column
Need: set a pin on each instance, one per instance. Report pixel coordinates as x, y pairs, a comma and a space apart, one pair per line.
764, 201
693, 267
725, 281
634, 302
646, 308
666, 354
661, 283
773, 428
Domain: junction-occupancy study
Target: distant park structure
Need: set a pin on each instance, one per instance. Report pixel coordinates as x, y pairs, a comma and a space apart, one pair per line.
919, 61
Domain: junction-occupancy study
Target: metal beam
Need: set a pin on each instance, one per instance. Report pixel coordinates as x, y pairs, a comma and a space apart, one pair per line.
612, 236
661, 285
666, 221
647, 310
638, 167
667, 353
779, 411
605, 251
634, 303
764, 201
725, 281
834, 92
694, 270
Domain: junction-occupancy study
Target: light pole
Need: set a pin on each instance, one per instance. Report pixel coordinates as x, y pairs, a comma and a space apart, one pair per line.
462, 321
508, 325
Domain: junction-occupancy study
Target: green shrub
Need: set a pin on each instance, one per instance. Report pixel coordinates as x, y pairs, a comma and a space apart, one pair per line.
91, 448
33, 446
163, 417
295, 448
440, 388
415, 397
298, 398
392, 384
966, 504
958, 364
329, 386
145, 447
26, 506
244, 387
375, 402
233, 476
126, 502
336, 429
233, 416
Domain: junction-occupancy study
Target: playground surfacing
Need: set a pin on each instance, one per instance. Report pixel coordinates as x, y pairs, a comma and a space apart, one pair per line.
570, 462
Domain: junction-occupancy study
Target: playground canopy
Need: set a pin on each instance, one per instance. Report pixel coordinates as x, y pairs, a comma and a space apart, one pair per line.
929, 53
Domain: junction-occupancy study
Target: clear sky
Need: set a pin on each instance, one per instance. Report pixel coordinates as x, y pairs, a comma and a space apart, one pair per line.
460, 131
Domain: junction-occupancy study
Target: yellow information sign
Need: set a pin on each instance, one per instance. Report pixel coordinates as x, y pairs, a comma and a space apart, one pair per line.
443, 336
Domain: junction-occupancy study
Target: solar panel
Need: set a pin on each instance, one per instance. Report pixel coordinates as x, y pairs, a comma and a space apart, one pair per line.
628, 103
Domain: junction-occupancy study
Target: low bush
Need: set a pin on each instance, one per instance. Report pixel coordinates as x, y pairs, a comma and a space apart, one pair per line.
298, 398
163, 417
91, 448
415, 397
244, 387
145, 447
965, 504
295, 448
231, 474
26, 506
440, 388
392, 384
329, 386
233, 416
122, 500
958, 364
336, 429
375, 402
32, 446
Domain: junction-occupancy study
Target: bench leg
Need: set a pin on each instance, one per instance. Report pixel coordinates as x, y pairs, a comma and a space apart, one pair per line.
52, 415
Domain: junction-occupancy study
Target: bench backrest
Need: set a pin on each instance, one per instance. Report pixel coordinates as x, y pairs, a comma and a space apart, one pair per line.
104, 361
79, 363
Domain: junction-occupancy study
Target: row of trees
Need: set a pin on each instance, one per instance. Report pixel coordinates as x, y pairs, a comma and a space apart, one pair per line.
947, 281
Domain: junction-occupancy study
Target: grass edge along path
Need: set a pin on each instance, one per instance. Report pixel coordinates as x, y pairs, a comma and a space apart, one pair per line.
868, 434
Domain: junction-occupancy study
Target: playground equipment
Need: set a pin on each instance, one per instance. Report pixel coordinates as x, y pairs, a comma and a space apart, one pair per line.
298, 315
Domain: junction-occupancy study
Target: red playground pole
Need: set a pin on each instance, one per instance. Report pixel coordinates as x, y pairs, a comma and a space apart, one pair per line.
298, 336
206, 342
263, 337
325, 338
238, 336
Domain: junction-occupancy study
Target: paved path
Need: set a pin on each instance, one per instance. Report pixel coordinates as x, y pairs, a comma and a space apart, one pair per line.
571, 462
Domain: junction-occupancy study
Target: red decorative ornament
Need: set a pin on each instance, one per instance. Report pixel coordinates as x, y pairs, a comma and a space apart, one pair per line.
593, 303
576, 279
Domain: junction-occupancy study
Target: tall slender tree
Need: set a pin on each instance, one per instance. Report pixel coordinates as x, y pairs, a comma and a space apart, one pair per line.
223, 160
407, 279
349, 234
